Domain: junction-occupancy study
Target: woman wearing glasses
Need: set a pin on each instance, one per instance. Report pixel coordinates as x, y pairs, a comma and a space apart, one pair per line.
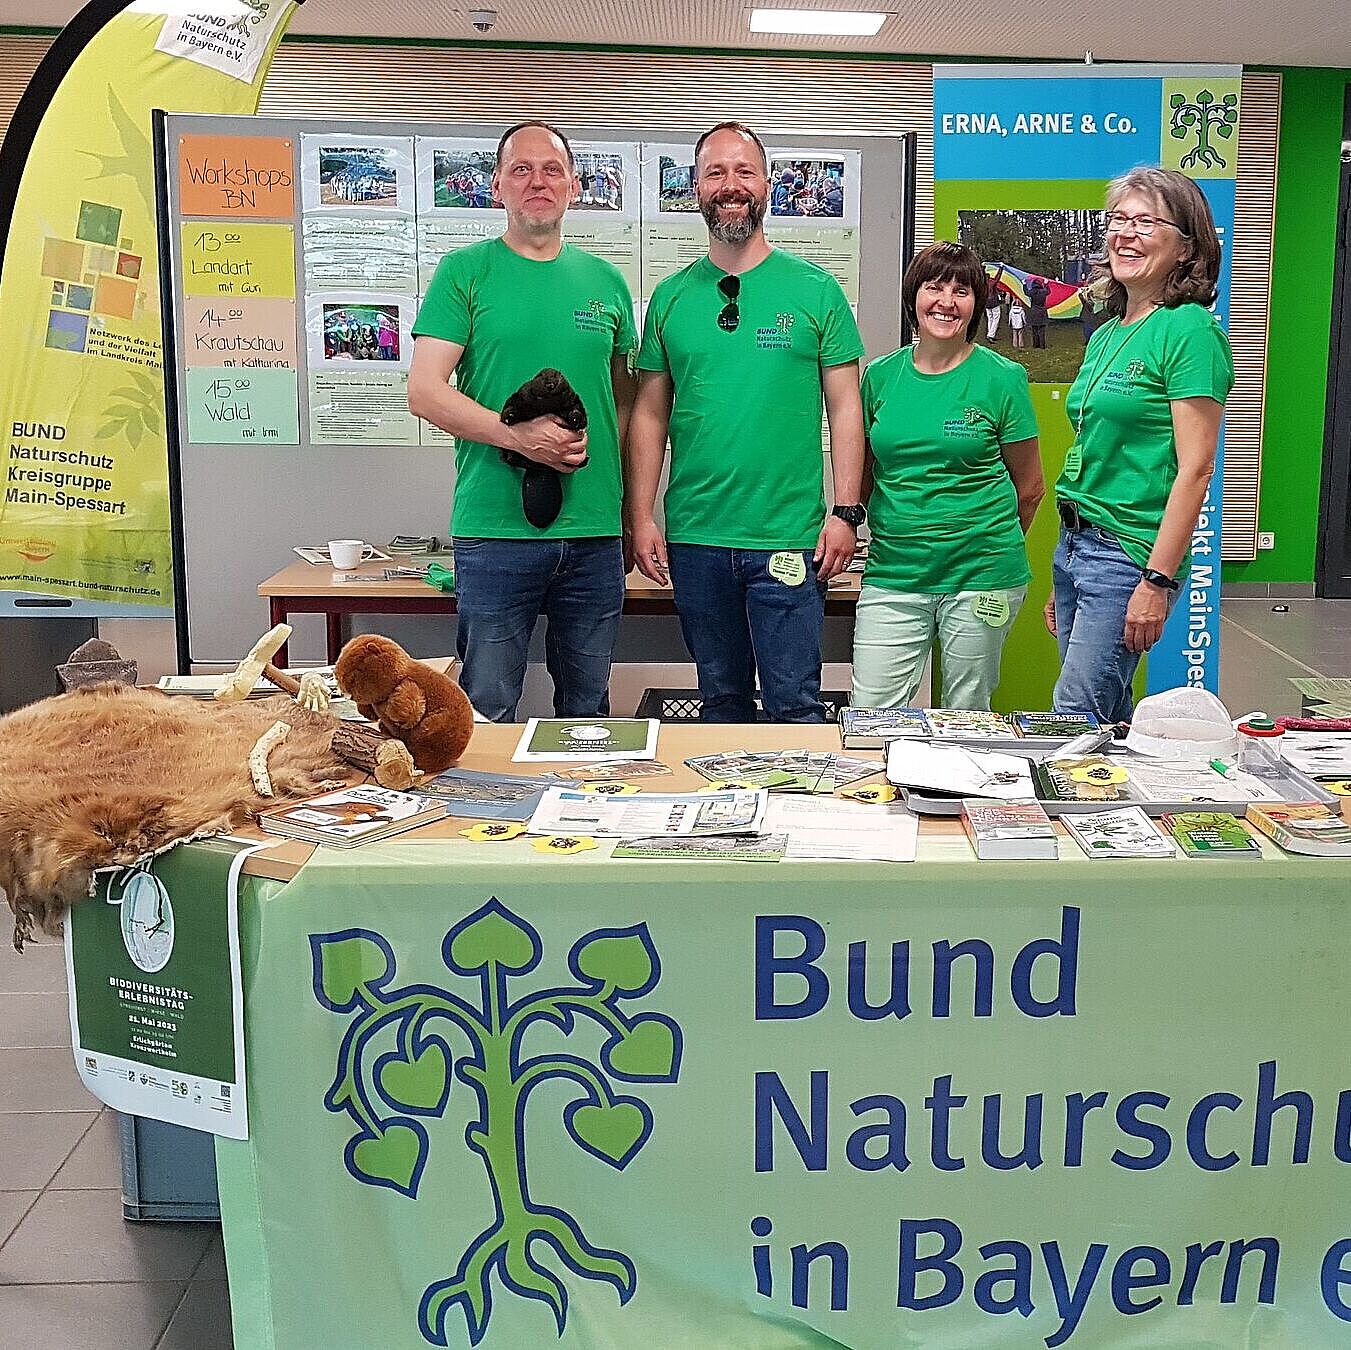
952, 442
1146, 410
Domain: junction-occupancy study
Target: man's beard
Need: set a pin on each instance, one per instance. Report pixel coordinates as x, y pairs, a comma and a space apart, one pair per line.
739, 229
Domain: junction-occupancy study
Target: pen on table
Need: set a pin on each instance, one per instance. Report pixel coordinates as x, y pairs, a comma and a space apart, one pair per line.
1223, 769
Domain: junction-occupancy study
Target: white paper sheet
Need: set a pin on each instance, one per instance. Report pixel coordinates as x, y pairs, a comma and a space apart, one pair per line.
832, 830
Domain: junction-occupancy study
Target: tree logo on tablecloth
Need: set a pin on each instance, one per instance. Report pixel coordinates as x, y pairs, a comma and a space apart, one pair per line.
396, 1069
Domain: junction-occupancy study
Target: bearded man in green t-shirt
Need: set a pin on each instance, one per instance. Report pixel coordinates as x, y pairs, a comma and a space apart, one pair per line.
495, 314
738, 351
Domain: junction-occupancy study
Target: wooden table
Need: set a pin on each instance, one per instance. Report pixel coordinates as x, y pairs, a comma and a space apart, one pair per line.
310, 588
490, 752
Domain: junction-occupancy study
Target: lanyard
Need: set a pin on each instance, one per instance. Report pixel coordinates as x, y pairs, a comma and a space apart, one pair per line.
1100, 366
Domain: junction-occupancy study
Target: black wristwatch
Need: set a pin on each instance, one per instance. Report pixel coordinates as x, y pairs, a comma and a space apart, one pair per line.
1160, 579
853, 516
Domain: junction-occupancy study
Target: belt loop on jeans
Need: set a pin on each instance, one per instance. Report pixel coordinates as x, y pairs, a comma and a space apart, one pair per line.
1070, 516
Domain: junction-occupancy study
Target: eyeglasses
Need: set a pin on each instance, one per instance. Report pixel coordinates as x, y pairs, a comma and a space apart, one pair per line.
730, 314
1144, 226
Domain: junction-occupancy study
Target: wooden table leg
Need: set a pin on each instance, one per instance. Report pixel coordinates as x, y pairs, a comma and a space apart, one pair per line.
335, 638
277, 610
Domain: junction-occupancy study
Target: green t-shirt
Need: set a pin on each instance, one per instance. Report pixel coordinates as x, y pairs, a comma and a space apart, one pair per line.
1123, 463
943, 510
514, 316
746, 463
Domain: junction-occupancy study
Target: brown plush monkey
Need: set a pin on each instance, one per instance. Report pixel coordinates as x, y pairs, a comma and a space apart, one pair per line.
423, 708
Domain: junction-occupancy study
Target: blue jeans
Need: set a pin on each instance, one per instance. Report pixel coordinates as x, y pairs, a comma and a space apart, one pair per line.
737, 618
502, 586
1094, 580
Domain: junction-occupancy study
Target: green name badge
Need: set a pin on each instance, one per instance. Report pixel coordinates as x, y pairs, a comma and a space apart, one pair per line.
992, 608
1074, 462
788, 568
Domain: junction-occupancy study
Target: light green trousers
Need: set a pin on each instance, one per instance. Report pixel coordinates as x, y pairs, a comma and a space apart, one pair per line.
896, 630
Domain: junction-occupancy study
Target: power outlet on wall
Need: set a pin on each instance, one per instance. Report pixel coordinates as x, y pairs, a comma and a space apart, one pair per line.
1266, 539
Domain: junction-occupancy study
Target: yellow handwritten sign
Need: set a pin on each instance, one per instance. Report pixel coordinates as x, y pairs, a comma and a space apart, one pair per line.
232, 261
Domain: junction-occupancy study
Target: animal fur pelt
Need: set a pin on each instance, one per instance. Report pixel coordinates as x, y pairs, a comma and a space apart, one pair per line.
110, 774
548, 393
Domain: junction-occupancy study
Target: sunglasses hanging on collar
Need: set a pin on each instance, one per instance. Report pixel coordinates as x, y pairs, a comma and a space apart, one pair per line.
730, 314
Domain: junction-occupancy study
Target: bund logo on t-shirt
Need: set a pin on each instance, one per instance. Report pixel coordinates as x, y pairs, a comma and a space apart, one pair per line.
966, 427
780, 336
1124, 381
592, 319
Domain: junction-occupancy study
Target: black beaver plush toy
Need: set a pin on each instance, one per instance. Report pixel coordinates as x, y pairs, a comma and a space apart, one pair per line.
542, 487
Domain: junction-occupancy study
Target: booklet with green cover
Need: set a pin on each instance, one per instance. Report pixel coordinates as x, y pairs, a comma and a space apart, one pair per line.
1211, 834
576, 738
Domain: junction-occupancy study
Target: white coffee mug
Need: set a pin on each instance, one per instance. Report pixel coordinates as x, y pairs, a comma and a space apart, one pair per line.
347, 553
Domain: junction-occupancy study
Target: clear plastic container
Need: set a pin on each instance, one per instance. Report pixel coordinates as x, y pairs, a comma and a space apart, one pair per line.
1259, 747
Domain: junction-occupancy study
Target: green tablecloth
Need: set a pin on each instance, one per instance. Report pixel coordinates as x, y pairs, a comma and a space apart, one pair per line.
517, 1101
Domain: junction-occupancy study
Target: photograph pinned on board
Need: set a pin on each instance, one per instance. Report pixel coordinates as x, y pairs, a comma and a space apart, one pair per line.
601, 174
367, 329
462, 176
354, 175
361, 333
1040, 263
675, 185
806, 187
372, 174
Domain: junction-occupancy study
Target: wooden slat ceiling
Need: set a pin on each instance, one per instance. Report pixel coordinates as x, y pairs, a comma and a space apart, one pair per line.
1305, 32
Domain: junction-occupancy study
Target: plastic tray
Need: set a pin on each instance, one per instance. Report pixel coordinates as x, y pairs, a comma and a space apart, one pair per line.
1293, 786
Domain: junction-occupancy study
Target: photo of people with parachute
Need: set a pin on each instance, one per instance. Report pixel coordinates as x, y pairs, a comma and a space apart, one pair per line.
1040, 263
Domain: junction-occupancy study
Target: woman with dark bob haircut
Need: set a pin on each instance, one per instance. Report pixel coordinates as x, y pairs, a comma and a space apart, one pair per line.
1146, 410
956, 479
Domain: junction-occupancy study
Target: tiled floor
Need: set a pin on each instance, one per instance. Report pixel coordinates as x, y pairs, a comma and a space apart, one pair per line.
72, 1272
74, 1276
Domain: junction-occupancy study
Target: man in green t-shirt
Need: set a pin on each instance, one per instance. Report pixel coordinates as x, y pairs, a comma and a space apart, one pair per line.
496, 313
738, 350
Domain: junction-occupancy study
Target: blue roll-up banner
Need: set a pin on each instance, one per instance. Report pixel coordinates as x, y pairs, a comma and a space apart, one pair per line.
1022, 157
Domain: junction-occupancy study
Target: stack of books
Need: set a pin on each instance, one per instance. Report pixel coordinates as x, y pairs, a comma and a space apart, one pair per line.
1126, 832
1211, 834
1008, 829
1303, 827
411, 545
351, 816
871, 728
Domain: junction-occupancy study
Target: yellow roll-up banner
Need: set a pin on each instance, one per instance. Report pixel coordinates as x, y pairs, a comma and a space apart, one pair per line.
85, 512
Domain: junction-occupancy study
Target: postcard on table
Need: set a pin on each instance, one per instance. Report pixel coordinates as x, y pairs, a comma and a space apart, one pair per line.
486, 796
578, 738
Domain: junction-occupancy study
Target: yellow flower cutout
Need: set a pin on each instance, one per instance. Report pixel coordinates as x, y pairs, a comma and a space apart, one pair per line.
1340, 787
1099, 775
875, 794
564, 843
494, 831
609, 789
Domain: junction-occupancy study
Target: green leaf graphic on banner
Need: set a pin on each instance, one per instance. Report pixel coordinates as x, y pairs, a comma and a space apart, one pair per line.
394, 1156
494, 939
352, 975
624, 962
647, 1051
609, 1130
418, 1083
349, 966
